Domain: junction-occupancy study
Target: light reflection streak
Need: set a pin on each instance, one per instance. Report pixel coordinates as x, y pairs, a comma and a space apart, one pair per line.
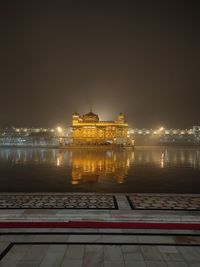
95, 165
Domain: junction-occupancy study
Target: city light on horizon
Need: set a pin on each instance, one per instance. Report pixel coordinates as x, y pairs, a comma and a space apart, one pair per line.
59, 129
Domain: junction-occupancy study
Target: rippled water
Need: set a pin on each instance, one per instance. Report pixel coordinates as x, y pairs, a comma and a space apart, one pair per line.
147, 169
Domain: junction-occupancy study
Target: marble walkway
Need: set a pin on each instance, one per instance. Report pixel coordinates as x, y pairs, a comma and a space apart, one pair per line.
100, 207
99, 247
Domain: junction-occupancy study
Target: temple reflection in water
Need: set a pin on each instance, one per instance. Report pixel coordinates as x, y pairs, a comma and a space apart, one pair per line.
94, 166
100, 166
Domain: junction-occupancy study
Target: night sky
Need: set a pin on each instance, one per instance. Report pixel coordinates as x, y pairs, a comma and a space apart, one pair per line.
137, 57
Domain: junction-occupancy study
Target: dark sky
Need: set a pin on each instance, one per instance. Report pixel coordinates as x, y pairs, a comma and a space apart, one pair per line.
137, 57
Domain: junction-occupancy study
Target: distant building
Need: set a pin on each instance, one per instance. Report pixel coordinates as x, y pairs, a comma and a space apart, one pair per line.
166, 136
89, 130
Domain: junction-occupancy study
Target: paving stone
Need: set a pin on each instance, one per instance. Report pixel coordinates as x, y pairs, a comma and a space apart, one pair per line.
54, 256
197, 249
50, 238
156, 239
3, 246
177, 264
85, 238
190, 254
34, 252
119, 238
167, 249
156, 264
93, 256
71, 263
194, 264
16, 253
170, 253
187, 239
133, 253
112, 253
114, 264
28, 264
151, 253
123, 203
8, 263
74, 252
135, 263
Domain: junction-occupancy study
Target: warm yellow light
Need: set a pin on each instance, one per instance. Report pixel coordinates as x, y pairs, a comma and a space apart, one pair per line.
161, 129
58, 162
59, 129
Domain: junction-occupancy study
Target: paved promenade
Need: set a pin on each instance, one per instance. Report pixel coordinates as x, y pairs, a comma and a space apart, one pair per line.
99, 246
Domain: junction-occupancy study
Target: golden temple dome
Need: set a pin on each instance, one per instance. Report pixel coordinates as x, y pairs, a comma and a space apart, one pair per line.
121, 117
90, 117
75, 114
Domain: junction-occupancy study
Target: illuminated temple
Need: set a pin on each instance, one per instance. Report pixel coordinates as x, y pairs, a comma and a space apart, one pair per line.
89, 130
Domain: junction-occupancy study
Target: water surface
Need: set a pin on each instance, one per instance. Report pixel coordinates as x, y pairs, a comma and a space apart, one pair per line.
147, 169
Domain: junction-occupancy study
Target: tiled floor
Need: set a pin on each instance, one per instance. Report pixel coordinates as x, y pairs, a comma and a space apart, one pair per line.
100, 208
99, 249
99, 201
166, 202
57, 201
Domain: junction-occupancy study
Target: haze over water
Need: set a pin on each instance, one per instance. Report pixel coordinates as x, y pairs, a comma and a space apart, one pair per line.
147, 169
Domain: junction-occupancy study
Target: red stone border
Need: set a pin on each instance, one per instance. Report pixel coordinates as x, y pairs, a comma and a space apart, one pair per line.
97, 224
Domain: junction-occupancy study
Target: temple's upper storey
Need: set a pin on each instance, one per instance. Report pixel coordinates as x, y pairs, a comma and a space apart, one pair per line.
91, 117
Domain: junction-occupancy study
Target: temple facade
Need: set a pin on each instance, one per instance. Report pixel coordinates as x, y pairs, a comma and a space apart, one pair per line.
89, 130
